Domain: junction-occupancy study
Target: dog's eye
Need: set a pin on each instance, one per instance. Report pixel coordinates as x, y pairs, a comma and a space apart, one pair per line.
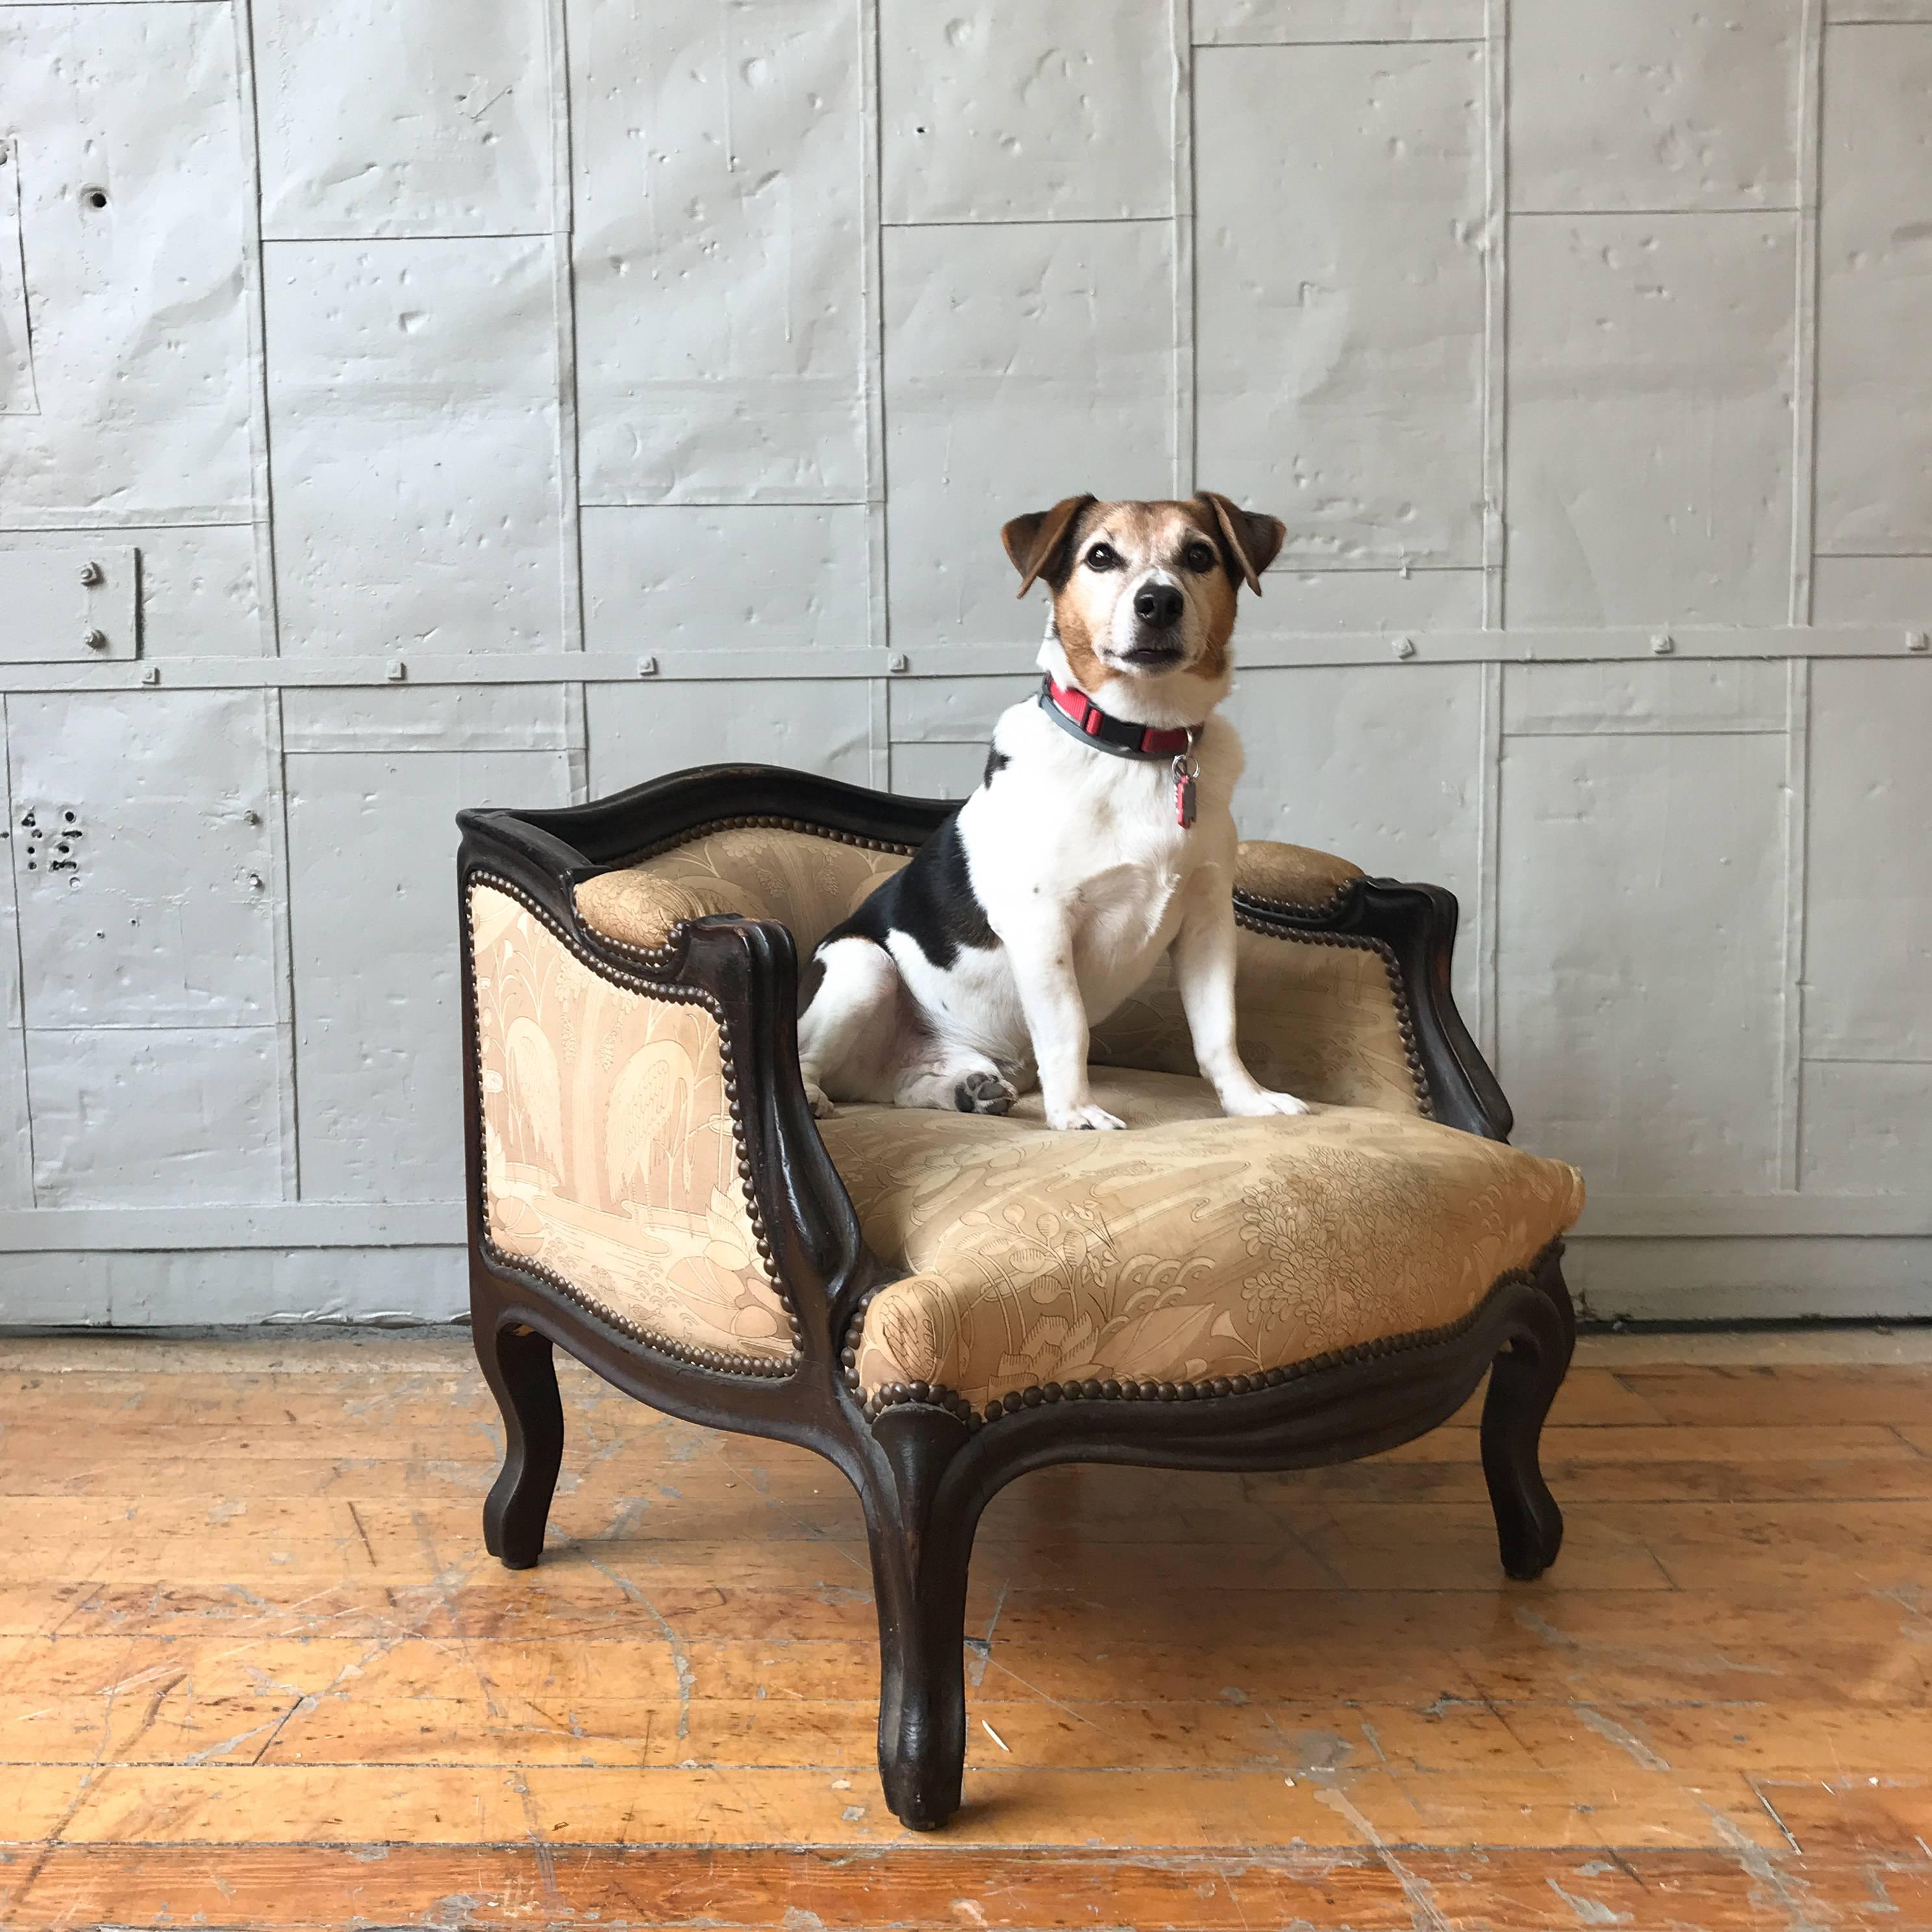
1198, 557
1103, 556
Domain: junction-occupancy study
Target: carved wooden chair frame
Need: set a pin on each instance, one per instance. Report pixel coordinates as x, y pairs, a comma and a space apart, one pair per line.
924, 1465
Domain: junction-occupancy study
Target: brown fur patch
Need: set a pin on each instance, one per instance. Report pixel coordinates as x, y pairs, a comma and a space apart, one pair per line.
1145, 534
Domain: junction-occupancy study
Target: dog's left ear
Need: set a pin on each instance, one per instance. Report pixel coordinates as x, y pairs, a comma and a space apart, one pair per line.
1255, 541
1032, 540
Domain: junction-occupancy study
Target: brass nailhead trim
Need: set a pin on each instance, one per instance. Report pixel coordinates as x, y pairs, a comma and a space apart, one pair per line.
721, 1361
1299, 908
936, 1394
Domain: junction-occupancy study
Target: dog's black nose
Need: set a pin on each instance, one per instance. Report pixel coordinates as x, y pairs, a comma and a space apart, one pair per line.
1159, 605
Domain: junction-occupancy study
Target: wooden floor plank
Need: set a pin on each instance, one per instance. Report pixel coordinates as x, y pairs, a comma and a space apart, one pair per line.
256, 1669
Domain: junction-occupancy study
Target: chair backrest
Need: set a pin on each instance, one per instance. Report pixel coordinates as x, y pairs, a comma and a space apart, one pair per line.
806, 881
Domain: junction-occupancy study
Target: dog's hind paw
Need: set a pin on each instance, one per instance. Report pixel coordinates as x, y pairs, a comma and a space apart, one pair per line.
822, 1109
984, 1093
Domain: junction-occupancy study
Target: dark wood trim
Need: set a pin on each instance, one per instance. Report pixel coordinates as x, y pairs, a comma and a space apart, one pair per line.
923, 1471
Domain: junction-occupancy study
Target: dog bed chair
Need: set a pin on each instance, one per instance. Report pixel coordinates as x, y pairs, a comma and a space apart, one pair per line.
938, 1303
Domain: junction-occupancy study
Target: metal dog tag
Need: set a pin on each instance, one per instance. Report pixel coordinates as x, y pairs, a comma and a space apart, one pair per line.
1184, 769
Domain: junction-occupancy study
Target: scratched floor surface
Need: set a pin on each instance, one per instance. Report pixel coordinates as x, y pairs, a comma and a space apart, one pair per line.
256, 1670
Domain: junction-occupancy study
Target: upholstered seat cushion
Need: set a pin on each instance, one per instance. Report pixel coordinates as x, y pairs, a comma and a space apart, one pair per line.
1190, 1248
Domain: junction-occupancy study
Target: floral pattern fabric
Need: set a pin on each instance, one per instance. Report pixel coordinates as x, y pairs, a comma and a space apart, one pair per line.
803, 880
1317, 1021
609, 1155
1189, 1247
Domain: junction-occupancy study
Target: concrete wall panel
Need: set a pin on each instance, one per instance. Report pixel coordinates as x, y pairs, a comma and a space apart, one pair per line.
185, 589
141, 1288
412, 411
1382, 766
1577, 700
815, 724
430, 118
1005, 113
1868, 928
427, 718
1654, 104
941, 727
144, 877
1650, 419
742, 577
1873, 590
1640, 923
1258, 23
373, 929
1339, 295
1295, 602
1874, 281
1026, 363
155, 1117
139, 331
720, 262
1867, 1125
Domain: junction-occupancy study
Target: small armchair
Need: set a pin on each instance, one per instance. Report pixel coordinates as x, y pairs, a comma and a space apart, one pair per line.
938, 1303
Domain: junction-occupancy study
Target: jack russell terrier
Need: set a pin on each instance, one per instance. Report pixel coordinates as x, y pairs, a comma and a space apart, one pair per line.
1101, 837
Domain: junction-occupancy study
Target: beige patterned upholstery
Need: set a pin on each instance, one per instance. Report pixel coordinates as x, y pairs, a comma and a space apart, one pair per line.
801, 879
1292, 875
1190, 1247
609, 1160
1316, 1018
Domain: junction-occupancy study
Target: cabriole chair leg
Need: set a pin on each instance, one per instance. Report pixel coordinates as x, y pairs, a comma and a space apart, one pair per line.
518, 1364
920, 1554
1523, 1382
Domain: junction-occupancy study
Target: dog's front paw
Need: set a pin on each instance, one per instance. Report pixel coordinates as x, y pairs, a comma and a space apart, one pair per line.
1074, 1119
1252, 1106
822, 1109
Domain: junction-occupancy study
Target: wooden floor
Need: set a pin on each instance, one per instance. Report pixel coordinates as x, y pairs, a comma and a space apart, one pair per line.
256, 1670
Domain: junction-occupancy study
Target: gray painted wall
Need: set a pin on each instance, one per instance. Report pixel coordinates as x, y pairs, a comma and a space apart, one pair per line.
489, 400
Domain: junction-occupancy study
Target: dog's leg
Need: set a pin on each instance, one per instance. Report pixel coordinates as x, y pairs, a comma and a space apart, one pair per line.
854, 1013
1041, 956
1204, 967
954, 1079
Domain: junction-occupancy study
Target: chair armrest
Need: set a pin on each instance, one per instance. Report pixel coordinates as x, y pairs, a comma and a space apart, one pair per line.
1291, 878
1412, 929
636, 1130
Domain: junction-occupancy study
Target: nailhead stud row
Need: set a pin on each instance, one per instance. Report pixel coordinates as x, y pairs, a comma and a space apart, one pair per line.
892, 1394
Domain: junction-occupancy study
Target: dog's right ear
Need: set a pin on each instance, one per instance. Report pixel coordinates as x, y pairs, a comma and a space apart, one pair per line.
1034, 541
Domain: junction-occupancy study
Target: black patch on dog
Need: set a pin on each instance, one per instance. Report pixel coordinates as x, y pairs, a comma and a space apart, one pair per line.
996, 762
931, 901
809, 982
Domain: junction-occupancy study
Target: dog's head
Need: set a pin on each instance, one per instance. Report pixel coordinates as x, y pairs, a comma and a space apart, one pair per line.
1144, 592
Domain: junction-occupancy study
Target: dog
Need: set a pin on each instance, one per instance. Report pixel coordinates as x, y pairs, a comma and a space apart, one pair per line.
1101, 837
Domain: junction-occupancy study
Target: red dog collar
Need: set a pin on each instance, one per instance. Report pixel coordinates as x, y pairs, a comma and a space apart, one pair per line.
1077, 712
